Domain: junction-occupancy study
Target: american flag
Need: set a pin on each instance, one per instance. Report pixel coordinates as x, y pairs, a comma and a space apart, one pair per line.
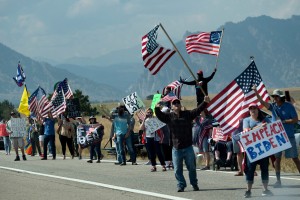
169, 97
59, 104
231, 104
66, 89
204, 42
175, 87
154, 55
37, 101
20, 78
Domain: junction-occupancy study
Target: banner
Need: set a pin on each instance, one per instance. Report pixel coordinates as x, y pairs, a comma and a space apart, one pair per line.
265, 141
155, 100
18, 127
153, 124
218, 135
133, 102
73, 108
88, 134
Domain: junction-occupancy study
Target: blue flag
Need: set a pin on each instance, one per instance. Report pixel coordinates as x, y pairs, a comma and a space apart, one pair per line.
20, 78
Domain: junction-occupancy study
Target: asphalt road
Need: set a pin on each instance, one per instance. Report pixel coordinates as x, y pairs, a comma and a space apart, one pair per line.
76, 179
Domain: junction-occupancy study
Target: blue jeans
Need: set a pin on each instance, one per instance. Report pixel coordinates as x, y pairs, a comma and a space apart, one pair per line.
7, 144
49, 139
188, 155
264, 168
120, 148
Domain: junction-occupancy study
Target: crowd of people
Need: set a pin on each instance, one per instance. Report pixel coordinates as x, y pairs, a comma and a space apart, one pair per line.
173, 144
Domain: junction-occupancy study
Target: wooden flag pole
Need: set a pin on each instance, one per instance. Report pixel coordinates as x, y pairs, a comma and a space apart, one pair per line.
181, 57
219, 49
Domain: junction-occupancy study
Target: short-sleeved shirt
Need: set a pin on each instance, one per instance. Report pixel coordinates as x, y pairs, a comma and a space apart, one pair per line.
49, 126
249, 122
121, 124
284, 112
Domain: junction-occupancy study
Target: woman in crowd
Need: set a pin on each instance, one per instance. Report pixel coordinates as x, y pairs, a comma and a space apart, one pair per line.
153, 142
256, 120
66, 133
202, 131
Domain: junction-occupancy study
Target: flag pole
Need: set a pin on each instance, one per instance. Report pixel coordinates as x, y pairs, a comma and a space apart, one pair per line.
219, 49
181, 56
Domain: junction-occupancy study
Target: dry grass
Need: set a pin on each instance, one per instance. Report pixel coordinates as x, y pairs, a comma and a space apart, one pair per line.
189, 102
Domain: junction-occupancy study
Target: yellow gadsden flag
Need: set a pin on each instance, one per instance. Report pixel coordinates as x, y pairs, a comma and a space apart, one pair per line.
23, 107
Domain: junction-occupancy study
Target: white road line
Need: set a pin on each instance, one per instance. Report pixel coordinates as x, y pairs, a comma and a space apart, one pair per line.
164, 196
229, 172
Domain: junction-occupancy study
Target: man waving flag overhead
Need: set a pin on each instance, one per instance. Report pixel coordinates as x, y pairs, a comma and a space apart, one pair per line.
154, 55
231, 104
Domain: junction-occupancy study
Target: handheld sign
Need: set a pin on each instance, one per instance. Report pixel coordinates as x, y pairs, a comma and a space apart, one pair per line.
153, 124
217, 135
265, 141
155, 100
88, 134
133, 102
18, 127
73, 108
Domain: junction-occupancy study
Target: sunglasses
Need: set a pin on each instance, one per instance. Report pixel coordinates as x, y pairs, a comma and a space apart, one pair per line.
176, 102
149, 113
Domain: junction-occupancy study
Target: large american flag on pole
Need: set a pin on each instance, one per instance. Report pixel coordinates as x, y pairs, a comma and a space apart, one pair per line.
153, 54
59, 104
175, 86
37, 101
66, 89
231, 104
204, 42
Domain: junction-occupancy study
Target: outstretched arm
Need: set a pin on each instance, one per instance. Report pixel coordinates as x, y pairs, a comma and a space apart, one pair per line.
264, 103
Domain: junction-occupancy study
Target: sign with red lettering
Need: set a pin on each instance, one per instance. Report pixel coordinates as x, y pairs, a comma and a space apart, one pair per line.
265, 141
217, 135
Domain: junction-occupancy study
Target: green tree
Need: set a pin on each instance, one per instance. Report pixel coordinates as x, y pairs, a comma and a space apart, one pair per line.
85, 105
5, 108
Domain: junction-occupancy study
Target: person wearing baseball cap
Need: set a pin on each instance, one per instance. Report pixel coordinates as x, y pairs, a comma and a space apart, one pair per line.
286, 112
256, 120
201, 82
180, 125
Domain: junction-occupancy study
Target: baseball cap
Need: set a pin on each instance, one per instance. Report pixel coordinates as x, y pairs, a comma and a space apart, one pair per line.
92, 117
278, 92
175, 101
252, 105
200, 72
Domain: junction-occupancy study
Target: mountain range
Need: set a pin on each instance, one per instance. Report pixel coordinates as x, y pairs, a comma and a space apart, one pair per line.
273, 43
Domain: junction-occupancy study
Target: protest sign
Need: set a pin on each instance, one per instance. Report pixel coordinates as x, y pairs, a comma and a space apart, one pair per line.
217, 135
133, 102
153, 124
88, 134
18, 127
265, 141
155, 100
73, 108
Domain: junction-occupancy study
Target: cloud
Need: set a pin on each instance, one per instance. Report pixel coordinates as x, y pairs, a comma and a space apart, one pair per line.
87, 6
30, 25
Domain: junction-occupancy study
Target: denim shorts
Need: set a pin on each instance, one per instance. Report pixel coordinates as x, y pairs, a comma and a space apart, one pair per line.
291, 152
236, 146
204, 147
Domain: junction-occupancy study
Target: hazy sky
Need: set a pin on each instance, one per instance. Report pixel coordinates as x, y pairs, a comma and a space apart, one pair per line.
60, 29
